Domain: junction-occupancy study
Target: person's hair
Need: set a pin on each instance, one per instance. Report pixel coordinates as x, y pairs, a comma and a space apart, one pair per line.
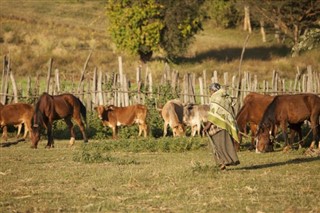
214, 87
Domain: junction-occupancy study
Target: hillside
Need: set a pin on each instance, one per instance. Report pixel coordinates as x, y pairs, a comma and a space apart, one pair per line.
33, 31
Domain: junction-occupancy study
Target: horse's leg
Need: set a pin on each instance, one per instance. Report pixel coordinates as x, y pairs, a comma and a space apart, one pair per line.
314, 126
253, 129
70, 127
285, 136
79, 122
50, 136
296, 128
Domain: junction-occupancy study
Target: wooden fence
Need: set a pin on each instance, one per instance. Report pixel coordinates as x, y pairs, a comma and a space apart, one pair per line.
114, 88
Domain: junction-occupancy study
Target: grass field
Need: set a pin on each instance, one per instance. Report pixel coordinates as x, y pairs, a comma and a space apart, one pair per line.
51, 180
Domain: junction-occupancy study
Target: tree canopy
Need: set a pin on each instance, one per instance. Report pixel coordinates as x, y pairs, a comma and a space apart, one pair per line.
145, 26
294, 19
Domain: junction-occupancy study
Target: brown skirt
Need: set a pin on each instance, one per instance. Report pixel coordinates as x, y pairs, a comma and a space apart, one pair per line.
225, 153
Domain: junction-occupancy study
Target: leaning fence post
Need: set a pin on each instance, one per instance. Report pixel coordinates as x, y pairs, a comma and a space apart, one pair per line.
14, 87
83, 72
5, 78
49, 75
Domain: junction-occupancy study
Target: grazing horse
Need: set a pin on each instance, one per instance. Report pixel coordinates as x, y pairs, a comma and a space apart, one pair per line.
292, 110
50, 108
254, 106
16, 114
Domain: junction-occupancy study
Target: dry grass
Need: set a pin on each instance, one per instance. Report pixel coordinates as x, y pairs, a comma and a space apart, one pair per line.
32, 32
50, 181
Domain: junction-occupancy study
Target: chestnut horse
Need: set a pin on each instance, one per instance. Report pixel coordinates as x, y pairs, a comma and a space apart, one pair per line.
254, 106
50, 108
292, 110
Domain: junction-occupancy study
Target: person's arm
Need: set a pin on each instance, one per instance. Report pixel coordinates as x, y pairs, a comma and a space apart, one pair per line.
207, 126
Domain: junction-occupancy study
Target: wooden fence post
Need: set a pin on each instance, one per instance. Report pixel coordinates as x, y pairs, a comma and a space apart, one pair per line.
202, 98
83, 71
49, 75
5, 78
14, 88
100, 96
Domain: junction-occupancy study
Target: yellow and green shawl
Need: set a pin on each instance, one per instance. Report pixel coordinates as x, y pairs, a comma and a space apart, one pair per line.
221, 113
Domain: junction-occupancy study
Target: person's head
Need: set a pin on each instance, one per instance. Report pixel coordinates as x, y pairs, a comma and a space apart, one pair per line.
214, 87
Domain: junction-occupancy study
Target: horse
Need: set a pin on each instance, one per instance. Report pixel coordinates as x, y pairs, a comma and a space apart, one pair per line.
55, 107
254, 106
292, 110
16, 114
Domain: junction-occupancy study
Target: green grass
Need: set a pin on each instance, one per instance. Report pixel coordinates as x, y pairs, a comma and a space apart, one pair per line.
52, 181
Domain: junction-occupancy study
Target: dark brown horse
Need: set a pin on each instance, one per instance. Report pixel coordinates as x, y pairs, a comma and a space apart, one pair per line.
254, 106
50, 108
292, 110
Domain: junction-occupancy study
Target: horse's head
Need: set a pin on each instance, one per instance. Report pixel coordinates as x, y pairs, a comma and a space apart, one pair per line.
35, 136
263, 141
36, 129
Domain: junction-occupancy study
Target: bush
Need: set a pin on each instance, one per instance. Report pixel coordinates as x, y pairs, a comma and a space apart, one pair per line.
101, 152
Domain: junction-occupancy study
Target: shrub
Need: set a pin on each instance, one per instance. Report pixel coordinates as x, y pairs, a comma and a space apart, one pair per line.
101, 152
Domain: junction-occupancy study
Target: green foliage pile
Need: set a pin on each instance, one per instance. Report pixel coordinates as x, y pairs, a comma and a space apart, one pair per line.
102, 151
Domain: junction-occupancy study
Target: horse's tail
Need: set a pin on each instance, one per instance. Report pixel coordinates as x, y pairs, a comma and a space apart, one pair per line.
83, 112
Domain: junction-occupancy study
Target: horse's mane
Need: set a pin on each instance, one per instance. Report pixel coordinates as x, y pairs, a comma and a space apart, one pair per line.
38, 114
240, 111
268, 118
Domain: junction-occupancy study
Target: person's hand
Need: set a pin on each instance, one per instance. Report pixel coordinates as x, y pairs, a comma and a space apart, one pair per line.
207, 126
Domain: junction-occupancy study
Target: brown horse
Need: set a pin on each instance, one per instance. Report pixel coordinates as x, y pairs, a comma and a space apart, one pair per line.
50, 108
16, 114
254, 106
292, 110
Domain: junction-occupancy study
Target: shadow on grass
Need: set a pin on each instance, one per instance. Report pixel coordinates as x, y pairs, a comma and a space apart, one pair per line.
230, 54
269, 165
8, 144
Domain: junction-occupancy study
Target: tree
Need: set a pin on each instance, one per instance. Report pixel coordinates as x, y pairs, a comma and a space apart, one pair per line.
146, 26
222, 13
293, 18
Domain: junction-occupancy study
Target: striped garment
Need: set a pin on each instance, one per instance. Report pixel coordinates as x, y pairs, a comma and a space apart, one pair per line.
221, 113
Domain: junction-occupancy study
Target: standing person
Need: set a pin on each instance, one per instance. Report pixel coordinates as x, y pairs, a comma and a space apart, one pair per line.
222, 127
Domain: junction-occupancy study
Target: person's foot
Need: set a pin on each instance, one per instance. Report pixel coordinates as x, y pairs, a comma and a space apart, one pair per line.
222, 167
